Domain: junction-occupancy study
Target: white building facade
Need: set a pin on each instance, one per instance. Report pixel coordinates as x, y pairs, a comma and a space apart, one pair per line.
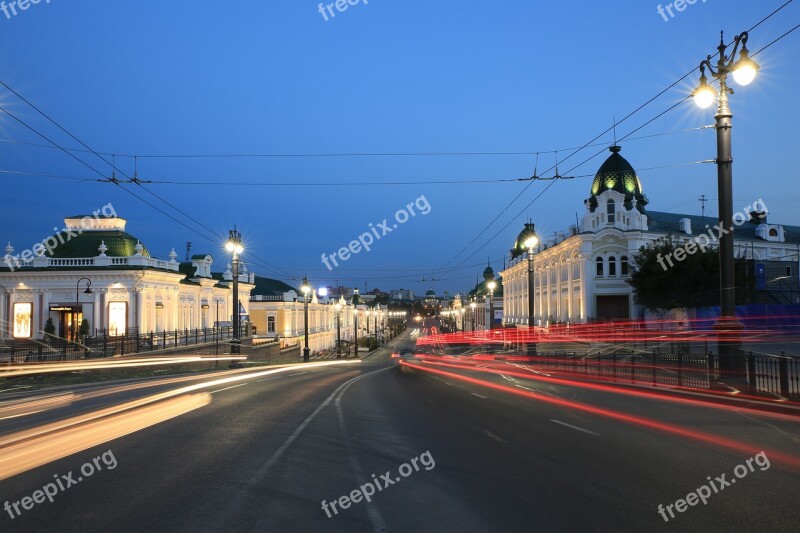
581, 276
106, 276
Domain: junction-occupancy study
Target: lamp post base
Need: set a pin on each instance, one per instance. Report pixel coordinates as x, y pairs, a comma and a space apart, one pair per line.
732, 362
306, 354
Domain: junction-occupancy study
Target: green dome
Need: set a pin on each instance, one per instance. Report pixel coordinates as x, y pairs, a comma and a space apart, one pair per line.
431, 293
488, 273
616, 174
119, 243
519, 244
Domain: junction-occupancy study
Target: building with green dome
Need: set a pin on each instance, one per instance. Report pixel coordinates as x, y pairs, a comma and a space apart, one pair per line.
580, 274
94, 269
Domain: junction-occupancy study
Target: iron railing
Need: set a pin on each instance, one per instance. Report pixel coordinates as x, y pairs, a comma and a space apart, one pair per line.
102, 344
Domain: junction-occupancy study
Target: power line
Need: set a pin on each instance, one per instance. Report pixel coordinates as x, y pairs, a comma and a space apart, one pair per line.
138, 181
588, 144
336, 154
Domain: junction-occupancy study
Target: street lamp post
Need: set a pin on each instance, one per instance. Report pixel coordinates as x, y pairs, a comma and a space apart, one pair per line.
463, 317
743, 71
472, 306
78, 310
531, 241
338, 307
306, 288
491, 286
234, 246
355, 331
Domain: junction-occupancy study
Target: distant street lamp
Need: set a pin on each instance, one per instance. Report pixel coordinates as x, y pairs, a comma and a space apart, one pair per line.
472, 306
355, 331
338, 307
492, 285
306, 288
78, 310
744, 71
234, 247
463, 315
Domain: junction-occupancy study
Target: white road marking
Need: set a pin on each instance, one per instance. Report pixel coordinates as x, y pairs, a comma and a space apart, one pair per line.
298, 374
478, 395
229, 388
495, 437
443, 381
575, 427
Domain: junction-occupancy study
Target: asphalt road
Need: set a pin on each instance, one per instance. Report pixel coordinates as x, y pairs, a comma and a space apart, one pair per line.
266, 451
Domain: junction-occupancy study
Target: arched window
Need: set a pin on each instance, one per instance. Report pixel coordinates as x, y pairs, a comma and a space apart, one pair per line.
600, 269
612, 266
610, 211
773, 232
623, 264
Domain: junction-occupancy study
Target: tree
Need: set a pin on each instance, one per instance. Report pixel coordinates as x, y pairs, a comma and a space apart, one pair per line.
49, 329
691, 282
83, 331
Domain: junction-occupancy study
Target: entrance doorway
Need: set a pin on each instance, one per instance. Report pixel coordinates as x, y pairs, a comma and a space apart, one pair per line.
613, 307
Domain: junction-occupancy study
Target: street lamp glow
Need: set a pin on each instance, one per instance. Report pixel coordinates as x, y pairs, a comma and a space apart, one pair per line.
473, 305
234, 247
306, 288
745, 72
704, 95
492, 285
531, 242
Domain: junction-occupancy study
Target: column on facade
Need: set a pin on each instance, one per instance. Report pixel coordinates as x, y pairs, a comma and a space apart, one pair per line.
140, 312
4, 314
586, 306
43, 314
94, 325
101, 322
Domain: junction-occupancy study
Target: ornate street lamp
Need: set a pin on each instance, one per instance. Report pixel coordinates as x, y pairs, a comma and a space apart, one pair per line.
530, 242
78, 310
744, 71
234, 247
306, 288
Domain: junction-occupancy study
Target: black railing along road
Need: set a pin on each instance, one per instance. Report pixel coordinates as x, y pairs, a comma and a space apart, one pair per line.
766, 374
105, 345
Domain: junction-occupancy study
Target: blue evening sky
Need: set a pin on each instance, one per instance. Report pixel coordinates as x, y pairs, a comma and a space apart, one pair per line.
255, 77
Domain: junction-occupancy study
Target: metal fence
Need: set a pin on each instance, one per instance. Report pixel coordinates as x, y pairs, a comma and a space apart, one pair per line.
778, 375
105, 345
